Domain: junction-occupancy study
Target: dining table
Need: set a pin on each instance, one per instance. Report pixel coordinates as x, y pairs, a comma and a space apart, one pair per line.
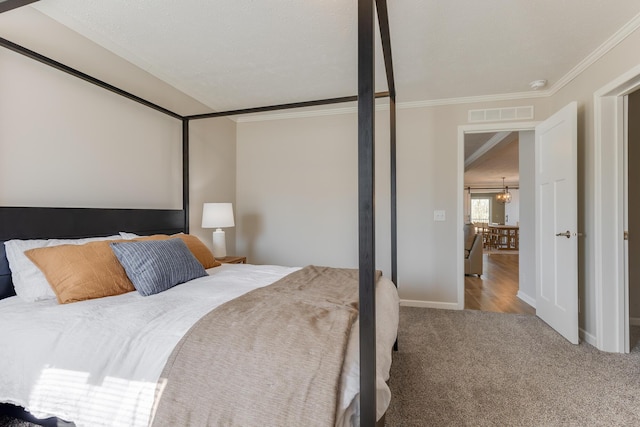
503, 236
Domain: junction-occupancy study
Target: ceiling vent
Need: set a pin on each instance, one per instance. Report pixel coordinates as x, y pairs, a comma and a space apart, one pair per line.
501, 114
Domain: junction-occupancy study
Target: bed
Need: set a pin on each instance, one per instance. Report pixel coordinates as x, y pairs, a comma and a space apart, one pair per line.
90, 362
368, 378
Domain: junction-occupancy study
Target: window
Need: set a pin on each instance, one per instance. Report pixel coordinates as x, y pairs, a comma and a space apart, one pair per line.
480, 210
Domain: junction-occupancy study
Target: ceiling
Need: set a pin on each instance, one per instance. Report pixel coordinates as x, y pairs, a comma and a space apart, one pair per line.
489, 157
231, 54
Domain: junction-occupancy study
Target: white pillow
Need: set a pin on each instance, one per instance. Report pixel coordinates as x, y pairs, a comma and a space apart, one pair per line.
128, 236
28, 281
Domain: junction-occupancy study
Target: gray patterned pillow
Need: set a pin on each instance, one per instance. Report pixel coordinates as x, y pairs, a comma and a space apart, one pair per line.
154, 266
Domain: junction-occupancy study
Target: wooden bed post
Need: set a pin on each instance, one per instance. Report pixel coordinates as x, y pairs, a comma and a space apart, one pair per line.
385, 38
366, 217
394, 215
185, 173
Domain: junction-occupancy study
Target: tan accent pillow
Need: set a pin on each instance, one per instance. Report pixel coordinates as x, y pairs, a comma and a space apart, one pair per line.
195, 245
82, 272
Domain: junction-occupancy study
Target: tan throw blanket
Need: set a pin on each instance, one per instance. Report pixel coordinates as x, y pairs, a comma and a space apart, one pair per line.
272, 357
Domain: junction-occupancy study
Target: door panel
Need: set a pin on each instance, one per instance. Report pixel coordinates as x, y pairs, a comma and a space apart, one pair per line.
557, 236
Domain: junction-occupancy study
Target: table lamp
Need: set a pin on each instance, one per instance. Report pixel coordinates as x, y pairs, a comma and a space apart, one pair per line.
218, 215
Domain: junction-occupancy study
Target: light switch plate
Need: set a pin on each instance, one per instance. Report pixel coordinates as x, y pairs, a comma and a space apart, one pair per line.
439, 215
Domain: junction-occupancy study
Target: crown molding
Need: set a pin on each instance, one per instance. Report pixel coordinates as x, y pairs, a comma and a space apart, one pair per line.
594, 56
399, 105
295, 115
474, 99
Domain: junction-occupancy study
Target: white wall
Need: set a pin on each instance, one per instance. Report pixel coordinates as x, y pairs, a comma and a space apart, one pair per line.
297, 192
512, 209
526, 250
212, 157
65, 142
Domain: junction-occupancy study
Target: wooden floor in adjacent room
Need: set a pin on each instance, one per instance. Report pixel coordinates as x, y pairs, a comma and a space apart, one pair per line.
497, 288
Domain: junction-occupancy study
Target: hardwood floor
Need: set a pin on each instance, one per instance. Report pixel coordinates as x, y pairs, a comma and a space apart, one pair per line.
497, 288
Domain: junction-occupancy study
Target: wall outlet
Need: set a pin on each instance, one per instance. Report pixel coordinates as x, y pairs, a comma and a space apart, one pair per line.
439, 215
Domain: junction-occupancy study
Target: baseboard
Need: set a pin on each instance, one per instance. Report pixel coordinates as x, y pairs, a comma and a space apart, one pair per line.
587, 337
429, 304
634, 321
526, 298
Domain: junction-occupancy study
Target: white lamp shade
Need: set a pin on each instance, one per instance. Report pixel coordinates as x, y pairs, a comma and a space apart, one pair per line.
217, 215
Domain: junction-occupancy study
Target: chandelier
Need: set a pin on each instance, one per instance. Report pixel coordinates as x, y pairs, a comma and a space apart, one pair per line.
505, 196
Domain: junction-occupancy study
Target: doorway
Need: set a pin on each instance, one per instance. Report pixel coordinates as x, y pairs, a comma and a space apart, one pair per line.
491, 169
551, 265
610, 284
632, 219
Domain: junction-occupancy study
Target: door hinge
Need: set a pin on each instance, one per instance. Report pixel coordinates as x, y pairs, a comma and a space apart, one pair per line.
626, 235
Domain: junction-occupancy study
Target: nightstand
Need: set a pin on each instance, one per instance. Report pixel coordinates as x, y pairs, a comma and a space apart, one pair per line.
230, 259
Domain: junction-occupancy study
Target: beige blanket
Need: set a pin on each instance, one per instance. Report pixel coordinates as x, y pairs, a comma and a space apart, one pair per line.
272, 357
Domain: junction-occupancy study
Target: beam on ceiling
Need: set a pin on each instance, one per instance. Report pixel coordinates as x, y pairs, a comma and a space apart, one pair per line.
79, 74
385, 36
264, 109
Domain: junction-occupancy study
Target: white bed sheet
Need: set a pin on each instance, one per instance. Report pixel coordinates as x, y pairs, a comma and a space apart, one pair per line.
97, 362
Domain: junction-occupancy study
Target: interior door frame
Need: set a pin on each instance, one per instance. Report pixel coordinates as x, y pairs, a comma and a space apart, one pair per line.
462, 130
625, 222
612, 319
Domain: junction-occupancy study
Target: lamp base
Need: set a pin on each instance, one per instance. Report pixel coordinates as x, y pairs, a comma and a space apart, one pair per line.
219, 244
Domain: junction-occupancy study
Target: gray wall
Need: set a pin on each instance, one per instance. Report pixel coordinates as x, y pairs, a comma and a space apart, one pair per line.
527, 259
67, 143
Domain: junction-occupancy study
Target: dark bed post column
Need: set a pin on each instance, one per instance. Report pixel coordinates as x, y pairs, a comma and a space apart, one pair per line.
366, 218
185, 172
385, 38
394, 210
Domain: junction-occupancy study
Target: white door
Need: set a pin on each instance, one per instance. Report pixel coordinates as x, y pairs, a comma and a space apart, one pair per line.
557, 222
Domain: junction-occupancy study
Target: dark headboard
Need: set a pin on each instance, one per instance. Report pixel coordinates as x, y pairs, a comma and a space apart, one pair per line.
61, 223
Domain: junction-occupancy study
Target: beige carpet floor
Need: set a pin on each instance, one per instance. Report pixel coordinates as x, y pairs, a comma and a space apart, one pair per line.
472, 368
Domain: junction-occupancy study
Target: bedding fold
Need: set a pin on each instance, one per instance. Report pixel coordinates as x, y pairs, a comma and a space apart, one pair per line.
273, 356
